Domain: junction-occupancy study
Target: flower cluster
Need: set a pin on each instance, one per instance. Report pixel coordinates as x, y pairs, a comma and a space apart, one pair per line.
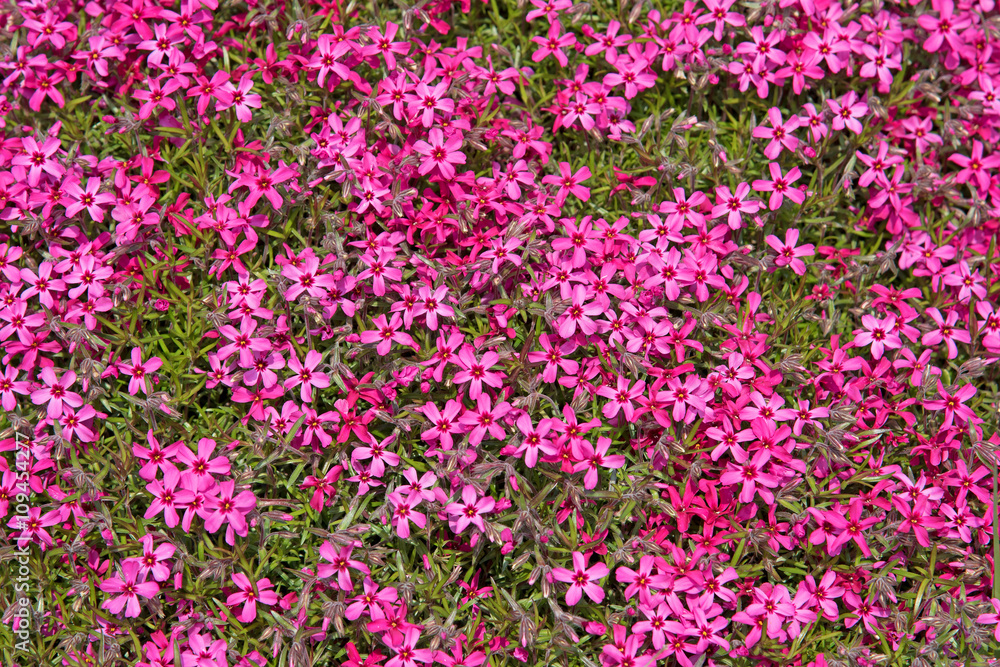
315, 317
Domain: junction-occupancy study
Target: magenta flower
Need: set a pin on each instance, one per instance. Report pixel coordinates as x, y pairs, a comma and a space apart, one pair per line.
261, 182
154, 560
307, 279
230, 508
733, 206
948, 331
9, 385
992, 619
477, 371
788, 253
880, 334
750, 473
580, 313
250, 594
582, 579
126, 588
139, 370
55, 392
774, 604
167, 498
242, 100
90, 199
780, 186
593, 458
340, 563
203, 652
485, 419
32, 526
553, 44
440, 153
42, 284
379, 454
158, 96
569, 183
470, 510
404, 511
407, 653
432, 304
954, 404
621, 397
444, 425
847, 111
535, 440
202, 465
780, 134
386, 333
243, 342
38, 158
306, 375
424, 101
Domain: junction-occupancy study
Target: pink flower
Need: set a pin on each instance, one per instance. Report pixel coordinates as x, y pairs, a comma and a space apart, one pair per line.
139, 370
788, 253
154, 560
477, 371
261, 183
404, 511
89, 198
732, 205
535, 440
485, 419
230, 508
593, 458
947, 332
750, 473
470, 509
32, 527
156, 97
440, 153
407, 653
579, 314
774, 604
879, 334
379, 454
203, 652
242, 100
242, 342
9, 385
42, 284
167, 498
780, 134
306, 374
387, 332
202, 465
127, 587
621, 397
56, 391
953, 404
553, 44
569, 183
38, 159
426, 100
582, 579
780, 187
992, 619
250, 594
847, 111
432, 304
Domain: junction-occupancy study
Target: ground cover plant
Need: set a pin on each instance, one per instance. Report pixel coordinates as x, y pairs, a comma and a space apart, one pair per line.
610, 334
